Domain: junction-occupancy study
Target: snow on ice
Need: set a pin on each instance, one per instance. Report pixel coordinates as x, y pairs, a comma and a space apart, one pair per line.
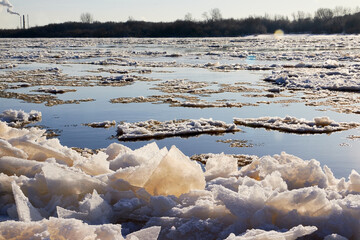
104, 124
20, 118
51, 191
54, 90
331, 75
295, 125
184, 127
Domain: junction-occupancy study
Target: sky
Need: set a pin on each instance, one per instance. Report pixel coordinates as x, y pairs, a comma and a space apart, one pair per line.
43, 12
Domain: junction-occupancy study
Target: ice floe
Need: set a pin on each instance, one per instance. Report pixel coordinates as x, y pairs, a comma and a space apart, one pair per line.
51, 191
343, 79
104, 124
18, 118
54, 90
184, 127
297, 125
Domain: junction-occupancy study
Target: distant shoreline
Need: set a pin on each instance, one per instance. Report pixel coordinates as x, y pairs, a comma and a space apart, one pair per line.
348, 24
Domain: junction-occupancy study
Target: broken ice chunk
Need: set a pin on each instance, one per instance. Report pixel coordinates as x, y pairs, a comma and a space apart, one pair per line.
68, 182
176, 174
150, 233
98, 210
18, 166
135, 158
26, 211
115, 149
220, 166
94, 165
258, 234
38, 152
6, 149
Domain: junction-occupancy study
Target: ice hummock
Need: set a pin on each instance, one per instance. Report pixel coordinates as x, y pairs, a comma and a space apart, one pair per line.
184, 127
296, 125
51, 191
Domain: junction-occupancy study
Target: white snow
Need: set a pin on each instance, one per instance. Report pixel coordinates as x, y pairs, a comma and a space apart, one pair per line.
50, 191
156, 129
297, 125
19, 118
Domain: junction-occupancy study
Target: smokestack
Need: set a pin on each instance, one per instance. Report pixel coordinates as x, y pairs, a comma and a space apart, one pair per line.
20, 22
24, 26
28, 22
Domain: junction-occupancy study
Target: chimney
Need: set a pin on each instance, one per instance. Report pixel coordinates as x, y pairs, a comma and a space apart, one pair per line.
24, 26
20, 22
28, 22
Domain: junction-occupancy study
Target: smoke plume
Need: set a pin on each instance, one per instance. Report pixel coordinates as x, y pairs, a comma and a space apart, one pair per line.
12, 12
8, 5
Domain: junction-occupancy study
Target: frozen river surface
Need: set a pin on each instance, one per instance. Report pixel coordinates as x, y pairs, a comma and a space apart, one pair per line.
247, 97
229, 71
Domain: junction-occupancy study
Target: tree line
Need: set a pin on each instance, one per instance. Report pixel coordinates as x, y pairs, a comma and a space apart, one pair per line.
324, 21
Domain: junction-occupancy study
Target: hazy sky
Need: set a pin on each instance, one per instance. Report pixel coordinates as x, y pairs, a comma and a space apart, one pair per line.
42, 12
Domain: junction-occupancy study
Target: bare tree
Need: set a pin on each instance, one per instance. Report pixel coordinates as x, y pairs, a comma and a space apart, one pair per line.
341, 11
356, 9
205, 16
215, 14
86, 18
324, 14
189, 17
298, 16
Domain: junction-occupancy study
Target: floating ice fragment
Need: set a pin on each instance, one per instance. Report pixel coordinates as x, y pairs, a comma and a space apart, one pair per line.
104, 124
20, 118
335, 237
318, 77
54, 90
155, 129
295, 125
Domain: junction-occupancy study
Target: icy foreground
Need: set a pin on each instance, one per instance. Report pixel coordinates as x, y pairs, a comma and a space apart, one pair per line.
183, 127
295, 125
49, 191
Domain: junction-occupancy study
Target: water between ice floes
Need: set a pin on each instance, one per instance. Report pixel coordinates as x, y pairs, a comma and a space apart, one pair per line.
335, 150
